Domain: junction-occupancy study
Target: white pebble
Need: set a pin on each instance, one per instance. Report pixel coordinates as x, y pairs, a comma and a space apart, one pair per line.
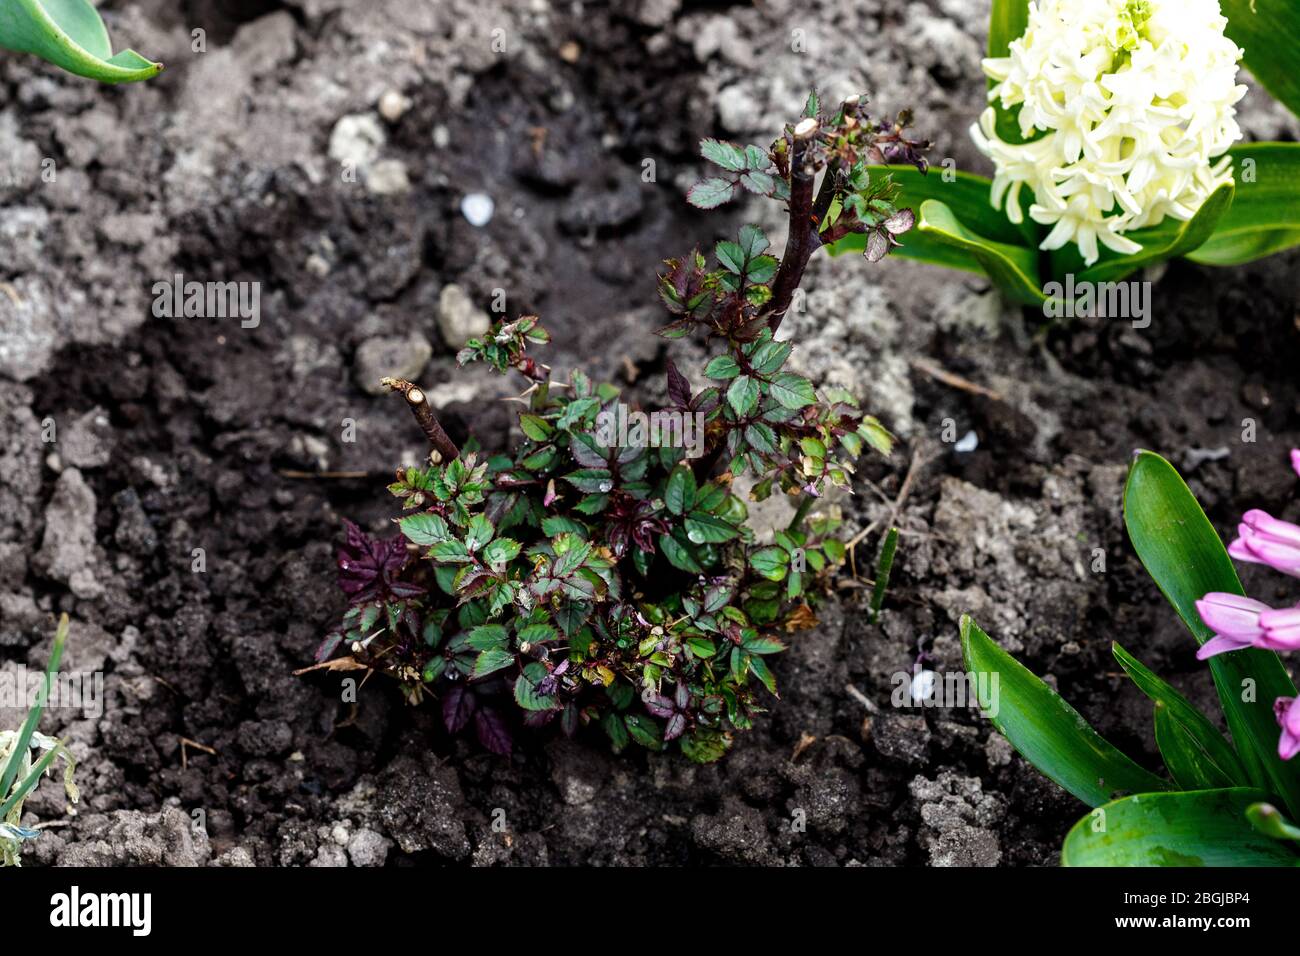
393, 105
477, 208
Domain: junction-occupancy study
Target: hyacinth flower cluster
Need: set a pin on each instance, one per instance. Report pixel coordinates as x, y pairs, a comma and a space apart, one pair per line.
1111, 127
1240, 622
1124, 108
592, 578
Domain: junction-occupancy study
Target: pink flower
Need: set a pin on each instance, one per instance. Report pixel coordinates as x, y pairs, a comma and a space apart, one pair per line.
1281, 629
1287, 711
1295, 460
1239, 622
1263, 539
1233, 619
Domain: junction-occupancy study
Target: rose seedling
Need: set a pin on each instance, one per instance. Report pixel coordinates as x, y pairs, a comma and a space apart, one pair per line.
605, 572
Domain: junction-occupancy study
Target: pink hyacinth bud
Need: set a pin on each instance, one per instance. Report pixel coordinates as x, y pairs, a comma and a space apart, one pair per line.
1235, 621
1287, 711
1281, 629
1263, 539
1239, 622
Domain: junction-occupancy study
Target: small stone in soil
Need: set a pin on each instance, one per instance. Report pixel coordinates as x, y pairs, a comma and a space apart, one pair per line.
368, 848
603, 211
356, 140
459, 320
393, 105
903, 738
88, 440
398, 356
477, 208
388, 178
67, 549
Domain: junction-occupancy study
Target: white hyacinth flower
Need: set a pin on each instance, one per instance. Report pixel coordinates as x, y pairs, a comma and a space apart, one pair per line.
1126, 103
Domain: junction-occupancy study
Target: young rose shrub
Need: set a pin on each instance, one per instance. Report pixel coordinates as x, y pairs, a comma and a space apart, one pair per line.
605, 572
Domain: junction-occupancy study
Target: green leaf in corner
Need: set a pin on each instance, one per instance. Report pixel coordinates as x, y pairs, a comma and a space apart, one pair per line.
679, 493
680, 553
614, 727
644, 731
1183, 554
425, 529
742, 394
1188, 828
1269, 32
705, 747
1047, 731
1202, 736
1264, 217
492, 660
1013, 269
9, 773
71, 35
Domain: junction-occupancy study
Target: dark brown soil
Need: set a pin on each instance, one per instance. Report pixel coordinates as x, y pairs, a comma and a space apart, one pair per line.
207, 421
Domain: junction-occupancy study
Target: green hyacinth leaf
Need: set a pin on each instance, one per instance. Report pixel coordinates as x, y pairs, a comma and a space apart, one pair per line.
1008, 21
71, 35
1012, 268
1170, 239
966, 194
1264, 217
1185, 759
1047, 731
1198, 734
1269, 33
1187, 828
